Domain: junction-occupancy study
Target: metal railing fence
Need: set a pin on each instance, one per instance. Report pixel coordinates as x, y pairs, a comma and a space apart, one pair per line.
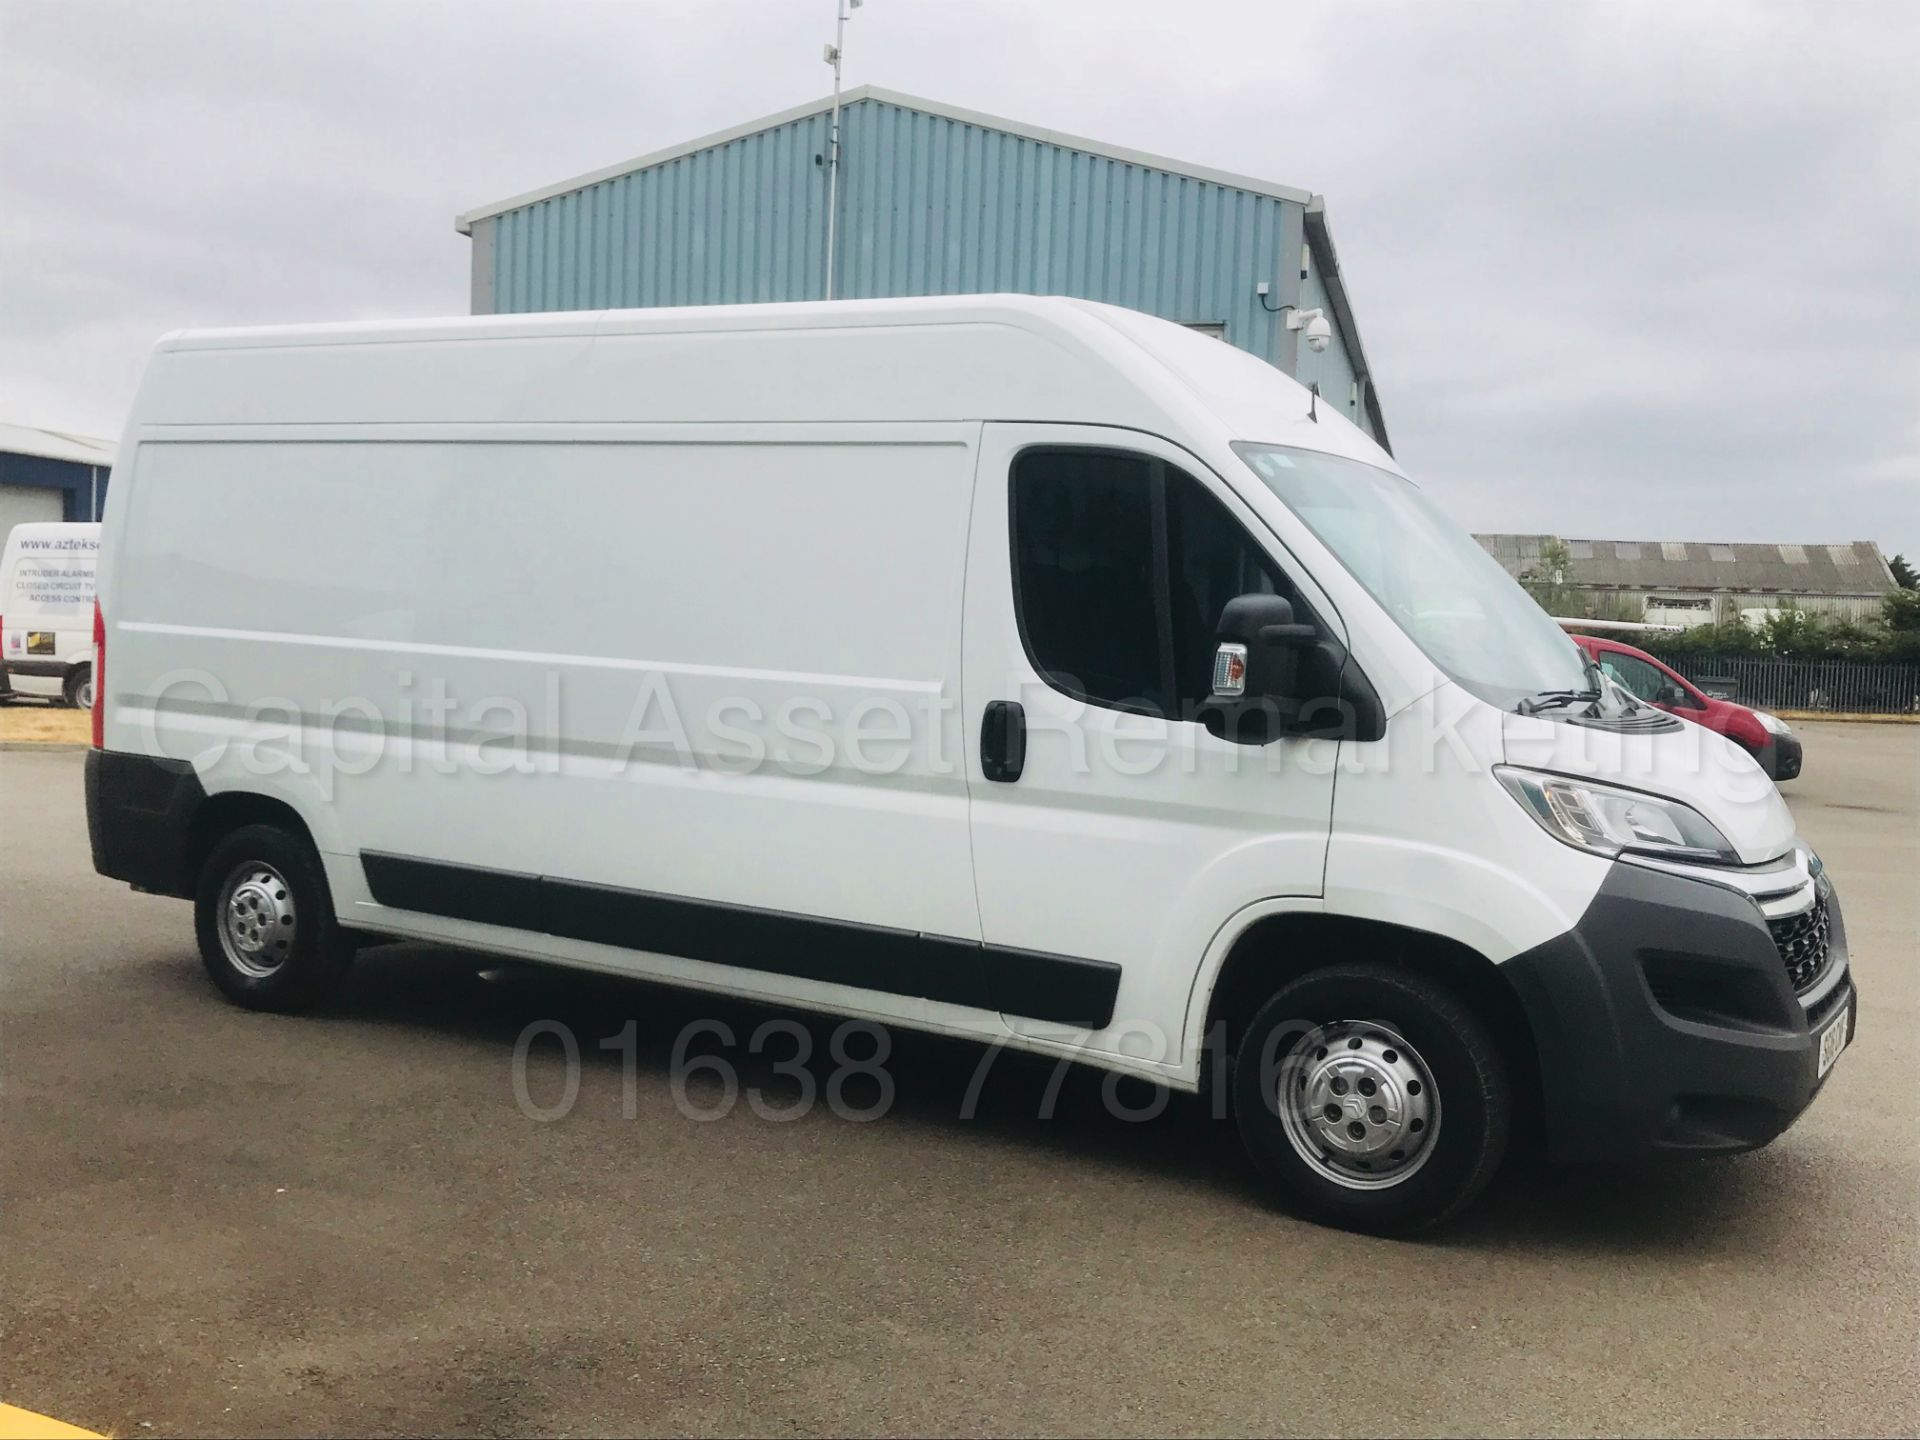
1872, 687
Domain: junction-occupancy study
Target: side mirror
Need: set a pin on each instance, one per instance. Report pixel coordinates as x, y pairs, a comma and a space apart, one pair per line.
1256, 669
1274, 675
1259, 646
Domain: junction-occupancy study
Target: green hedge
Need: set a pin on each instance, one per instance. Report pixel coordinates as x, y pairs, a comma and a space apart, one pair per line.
1892, 635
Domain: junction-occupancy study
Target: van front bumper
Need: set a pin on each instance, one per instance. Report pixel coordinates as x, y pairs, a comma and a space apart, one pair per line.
1780, 757
1666, 1023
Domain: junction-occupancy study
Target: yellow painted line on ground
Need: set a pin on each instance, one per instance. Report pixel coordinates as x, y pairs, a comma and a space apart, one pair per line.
17, 1424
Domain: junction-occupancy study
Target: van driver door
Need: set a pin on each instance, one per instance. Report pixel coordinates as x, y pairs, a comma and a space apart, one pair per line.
1113, 838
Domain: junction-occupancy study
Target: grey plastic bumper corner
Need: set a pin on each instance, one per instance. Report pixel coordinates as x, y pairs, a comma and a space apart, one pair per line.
1623, 1076
140, 812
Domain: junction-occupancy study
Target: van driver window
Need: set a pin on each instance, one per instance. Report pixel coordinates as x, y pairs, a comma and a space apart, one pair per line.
1115, 608
1213, 560
1084, 573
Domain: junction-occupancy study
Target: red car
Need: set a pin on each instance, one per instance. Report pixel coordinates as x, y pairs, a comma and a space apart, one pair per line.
1766, 737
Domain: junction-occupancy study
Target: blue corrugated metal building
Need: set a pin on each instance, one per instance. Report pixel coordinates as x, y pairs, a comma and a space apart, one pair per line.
933, 200
50, 475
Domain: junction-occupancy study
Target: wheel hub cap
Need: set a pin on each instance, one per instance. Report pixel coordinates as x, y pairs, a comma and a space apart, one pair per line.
256, 920
1358, 1104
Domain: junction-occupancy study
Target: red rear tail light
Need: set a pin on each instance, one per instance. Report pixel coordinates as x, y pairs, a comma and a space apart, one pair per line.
99, 678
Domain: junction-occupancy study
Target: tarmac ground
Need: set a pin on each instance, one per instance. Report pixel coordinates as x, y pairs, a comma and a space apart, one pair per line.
218, 1222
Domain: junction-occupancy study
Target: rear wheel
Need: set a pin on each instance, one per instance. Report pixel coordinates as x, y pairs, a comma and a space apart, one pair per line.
1371, 1098
78, 690
265, 922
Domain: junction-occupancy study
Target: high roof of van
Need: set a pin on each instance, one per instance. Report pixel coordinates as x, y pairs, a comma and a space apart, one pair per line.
947, 358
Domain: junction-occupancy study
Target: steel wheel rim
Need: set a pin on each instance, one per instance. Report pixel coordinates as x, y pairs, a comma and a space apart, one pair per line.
257, 923
84, 695
1358, 1104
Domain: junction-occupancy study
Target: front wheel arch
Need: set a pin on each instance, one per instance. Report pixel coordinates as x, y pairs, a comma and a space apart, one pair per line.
1279, 948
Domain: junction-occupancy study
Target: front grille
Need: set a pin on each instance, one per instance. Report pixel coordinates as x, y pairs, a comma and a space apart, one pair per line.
1828, 1003
1802, 940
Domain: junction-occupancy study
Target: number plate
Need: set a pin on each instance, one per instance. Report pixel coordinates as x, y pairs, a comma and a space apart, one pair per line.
1833, 1039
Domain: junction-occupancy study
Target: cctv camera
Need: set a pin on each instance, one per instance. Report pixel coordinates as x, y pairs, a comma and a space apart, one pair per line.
1313, 324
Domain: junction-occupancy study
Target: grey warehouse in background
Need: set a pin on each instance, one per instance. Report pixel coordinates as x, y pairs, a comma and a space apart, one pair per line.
1679, 582
933, 200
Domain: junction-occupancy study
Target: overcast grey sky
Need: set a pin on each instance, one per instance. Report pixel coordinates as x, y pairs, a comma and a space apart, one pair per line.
1637, 270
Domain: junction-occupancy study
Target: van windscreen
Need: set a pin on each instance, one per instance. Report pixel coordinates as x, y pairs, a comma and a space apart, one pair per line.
1452, 598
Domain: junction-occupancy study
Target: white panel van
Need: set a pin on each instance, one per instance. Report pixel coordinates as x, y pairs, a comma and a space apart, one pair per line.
1015, 668
46, 610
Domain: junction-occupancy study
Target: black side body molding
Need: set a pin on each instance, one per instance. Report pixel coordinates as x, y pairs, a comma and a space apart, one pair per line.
1061, 988
43, 669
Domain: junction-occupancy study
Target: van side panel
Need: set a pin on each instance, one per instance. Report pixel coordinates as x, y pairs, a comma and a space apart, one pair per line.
46, 603
720, 664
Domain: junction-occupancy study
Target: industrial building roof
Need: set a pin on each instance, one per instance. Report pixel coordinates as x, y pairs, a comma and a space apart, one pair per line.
1319, 238
54, 445
464, 223
1854, 568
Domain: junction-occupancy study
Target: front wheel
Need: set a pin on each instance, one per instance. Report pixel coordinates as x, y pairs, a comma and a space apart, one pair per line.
1371, 1098
264, 919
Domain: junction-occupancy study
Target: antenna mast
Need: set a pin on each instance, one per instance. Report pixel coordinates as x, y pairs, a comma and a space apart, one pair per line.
833, 56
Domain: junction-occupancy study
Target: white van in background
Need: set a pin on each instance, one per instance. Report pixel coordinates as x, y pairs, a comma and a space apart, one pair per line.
46, 610
1015, 668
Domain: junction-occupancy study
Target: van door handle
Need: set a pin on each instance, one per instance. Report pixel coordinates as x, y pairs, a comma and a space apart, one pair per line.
1003, 740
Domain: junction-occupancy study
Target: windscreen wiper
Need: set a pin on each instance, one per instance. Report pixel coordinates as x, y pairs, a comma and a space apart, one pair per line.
1554, 699
1594, 673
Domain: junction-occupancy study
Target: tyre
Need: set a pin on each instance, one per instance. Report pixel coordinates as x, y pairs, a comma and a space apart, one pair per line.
1371, 1098
78, 690
264, 919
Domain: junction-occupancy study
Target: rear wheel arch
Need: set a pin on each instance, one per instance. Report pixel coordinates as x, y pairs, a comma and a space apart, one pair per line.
230, 810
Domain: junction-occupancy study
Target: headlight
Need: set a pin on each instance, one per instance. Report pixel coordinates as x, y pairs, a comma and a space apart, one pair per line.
1773, 724
1608, 820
